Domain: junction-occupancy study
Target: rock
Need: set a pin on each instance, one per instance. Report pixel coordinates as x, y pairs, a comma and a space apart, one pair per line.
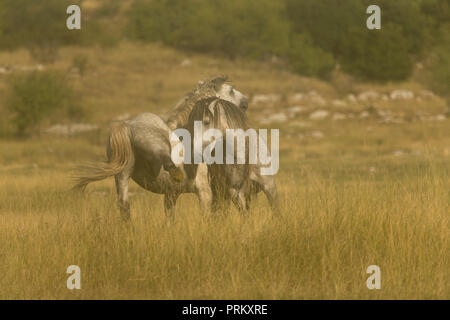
339, 103
186, 63
364, 114
311, 97
8, 69
5, 70
339, 116
318, 100
266, 98
402, 95
297, 97
317, 134
276, 117
440, 117
293, 111
38, 67
383, 113
351, 98
319, 115
368, 95
71, 129
426, 94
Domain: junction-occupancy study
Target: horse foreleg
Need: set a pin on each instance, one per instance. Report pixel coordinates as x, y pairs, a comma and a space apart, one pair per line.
202, 188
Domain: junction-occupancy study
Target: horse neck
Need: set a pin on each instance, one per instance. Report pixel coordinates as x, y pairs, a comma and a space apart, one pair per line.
180, 114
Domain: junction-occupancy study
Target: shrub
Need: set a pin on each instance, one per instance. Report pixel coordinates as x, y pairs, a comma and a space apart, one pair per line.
80, 62
339, 27
307, 59
37, 96
381, 55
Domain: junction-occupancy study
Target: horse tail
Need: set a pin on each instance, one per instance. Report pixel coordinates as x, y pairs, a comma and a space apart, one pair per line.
120, 156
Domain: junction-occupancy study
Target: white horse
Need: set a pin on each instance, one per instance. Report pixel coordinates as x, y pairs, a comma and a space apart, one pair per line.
220, 88
227, 181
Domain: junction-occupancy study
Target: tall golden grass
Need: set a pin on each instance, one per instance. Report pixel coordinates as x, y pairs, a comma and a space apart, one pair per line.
347, 201
328, 234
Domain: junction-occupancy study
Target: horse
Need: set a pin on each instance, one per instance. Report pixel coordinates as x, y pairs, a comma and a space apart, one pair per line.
227, 181
220, 88
140, 149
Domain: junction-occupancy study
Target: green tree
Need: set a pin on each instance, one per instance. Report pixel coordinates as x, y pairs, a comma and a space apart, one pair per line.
251, 28
380, 55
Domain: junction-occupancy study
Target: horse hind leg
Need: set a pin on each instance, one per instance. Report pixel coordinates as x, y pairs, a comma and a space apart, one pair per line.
121, 180
203, 189
239, 199
268, 186
271, 193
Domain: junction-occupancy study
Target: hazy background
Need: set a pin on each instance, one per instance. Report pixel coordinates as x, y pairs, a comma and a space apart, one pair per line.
364, 148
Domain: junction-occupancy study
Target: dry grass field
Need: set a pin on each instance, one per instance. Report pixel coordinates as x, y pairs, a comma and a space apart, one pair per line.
361, 181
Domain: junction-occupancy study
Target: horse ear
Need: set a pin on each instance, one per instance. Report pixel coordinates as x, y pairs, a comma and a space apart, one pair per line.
218, 82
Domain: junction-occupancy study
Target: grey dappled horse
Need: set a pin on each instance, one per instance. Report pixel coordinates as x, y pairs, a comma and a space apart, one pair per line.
227, 181
220, 88
139, 149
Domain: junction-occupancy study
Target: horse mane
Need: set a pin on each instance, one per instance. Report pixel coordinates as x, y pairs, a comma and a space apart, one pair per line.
235, 117
179, 115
